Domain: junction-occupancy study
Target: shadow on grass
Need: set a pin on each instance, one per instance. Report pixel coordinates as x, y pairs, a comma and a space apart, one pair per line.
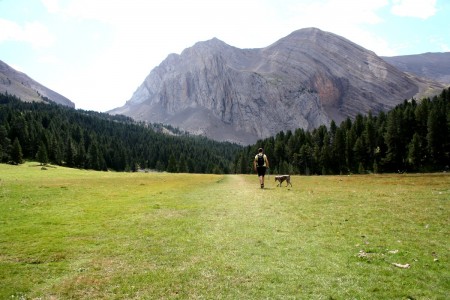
42, 166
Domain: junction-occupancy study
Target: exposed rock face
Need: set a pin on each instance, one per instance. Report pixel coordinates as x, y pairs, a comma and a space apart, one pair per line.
21, 85
435, 66
301, 81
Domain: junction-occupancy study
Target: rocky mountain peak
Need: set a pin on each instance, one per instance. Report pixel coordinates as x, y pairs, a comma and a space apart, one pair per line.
303, 80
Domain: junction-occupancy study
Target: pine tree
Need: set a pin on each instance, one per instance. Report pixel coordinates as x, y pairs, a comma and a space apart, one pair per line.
359, 151
182, 165
16, 152
94, 157
160, 166
392, 139
5, 144
19, 130
70, 153
437, 133
415, 152
338, 152
41, 154
80, 157
172, 166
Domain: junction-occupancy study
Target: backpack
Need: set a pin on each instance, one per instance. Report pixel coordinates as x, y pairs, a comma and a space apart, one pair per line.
261, 160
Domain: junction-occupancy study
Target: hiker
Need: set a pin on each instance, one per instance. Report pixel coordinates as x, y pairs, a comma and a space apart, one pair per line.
260, 164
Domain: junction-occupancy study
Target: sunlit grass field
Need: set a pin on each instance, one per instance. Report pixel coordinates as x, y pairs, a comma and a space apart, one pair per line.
76, 234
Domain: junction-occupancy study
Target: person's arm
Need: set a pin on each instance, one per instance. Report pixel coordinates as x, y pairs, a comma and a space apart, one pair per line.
254, 164
267, 162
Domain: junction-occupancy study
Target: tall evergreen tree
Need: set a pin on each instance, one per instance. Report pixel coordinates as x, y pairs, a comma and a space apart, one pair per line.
5, 144
16, 153
415, 153
70, 153
172, 166
19, 130
41, 155
437, 133
94, 158
338, 152
392, 139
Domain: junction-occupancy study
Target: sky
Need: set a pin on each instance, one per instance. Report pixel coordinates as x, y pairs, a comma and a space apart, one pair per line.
97, 52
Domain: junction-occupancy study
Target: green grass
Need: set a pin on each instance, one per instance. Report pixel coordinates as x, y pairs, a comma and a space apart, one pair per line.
74, 234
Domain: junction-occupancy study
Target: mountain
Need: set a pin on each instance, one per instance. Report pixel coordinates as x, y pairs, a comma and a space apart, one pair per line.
435, 66
22, 86
303, 80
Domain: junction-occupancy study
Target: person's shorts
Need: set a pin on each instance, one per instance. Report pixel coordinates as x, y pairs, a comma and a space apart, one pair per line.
261, 171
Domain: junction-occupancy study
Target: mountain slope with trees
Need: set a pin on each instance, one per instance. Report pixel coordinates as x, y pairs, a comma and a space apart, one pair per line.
98, 141
413, 136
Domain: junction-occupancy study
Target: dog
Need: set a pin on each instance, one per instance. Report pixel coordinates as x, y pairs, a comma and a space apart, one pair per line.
282, 178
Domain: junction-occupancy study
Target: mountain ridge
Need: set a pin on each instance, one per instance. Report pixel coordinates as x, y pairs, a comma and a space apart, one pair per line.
24, 87
435, 66
303, 80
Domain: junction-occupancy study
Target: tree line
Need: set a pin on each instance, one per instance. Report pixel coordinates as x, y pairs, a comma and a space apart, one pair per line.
414, 136
51, 133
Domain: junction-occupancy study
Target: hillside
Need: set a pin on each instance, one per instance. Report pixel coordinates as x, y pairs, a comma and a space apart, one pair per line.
22, 86
303, 80
89, 140
435, 66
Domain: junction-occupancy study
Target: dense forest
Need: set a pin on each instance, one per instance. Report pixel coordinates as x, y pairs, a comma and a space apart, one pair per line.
412, 137
51, 133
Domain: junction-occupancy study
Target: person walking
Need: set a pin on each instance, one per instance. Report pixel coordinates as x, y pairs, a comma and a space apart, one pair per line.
260, 165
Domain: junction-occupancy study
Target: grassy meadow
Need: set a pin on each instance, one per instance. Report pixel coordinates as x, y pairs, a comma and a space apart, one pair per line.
77, 234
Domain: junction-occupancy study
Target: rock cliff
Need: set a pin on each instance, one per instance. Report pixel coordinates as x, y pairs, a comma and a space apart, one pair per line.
304, 80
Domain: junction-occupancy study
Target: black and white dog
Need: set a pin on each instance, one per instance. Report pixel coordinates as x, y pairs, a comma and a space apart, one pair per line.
282, 178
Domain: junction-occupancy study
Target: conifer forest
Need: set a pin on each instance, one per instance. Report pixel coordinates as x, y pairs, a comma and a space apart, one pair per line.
412, 137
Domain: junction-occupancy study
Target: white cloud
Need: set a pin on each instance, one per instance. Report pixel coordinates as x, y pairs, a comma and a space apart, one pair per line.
336, 12
38, 35
49, 59
10, 30
34, 33
162, 27
351, 19
52, 6
439, 42
422, 9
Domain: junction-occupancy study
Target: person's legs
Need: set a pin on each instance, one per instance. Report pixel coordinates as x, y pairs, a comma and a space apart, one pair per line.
261, 173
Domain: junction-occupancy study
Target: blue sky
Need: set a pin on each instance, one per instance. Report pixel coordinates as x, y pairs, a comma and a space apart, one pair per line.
97, 52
